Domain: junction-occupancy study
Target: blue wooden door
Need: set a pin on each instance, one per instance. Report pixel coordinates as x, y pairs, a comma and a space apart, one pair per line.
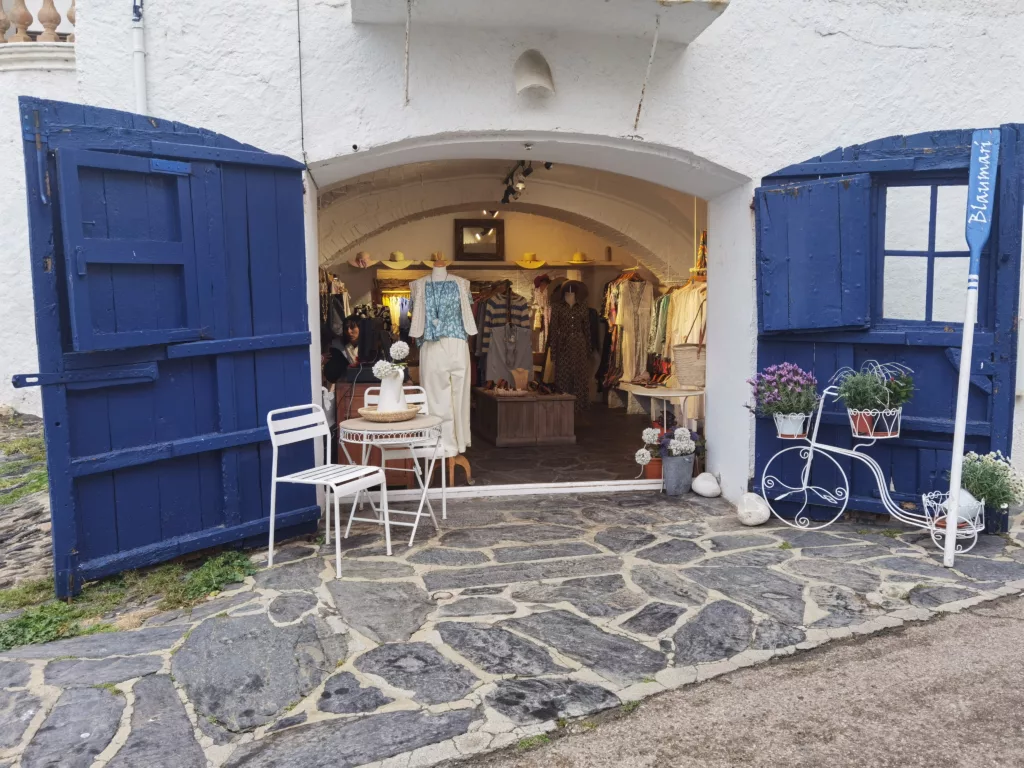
169, 277
861, 256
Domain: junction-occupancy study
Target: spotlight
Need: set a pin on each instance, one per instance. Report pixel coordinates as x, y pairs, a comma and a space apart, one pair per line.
547, 166
520, 185
486, 213
495, 214
528, 170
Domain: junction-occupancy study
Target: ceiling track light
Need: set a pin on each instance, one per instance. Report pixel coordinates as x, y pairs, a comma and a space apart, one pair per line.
547, 166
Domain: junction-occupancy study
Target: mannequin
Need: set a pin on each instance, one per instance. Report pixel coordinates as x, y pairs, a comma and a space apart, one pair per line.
570, 343
442, 320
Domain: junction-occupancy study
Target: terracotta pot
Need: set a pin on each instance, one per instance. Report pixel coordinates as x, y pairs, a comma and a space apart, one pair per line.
653, 470
863, 424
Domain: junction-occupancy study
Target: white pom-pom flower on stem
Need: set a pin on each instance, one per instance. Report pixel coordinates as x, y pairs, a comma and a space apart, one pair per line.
651, 436
382, 369
643, 458
399, 350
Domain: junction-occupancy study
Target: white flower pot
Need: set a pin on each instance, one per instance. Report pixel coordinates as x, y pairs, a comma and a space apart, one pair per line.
392, 394
791, 425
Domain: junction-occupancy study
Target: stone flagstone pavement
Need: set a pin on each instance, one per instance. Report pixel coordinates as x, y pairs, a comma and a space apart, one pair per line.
521, 611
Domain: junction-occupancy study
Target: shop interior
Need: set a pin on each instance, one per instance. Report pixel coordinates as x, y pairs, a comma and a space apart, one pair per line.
538, 332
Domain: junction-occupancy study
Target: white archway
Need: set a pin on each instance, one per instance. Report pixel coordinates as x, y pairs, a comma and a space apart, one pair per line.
659, 164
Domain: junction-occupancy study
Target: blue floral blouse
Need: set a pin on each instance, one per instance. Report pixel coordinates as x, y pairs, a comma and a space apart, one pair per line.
443, 311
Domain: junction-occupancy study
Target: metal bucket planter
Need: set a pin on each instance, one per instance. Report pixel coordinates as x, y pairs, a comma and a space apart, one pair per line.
997, 520
678, 474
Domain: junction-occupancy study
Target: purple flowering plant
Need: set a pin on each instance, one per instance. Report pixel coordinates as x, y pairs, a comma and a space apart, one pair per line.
783, 388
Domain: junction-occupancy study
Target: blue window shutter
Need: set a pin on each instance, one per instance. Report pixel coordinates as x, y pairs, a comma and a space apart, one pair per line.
813, 254
129, 250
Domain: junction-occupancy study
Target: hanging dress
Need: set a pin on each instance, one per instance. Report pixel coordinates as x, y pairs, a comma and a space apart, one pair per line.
570, 350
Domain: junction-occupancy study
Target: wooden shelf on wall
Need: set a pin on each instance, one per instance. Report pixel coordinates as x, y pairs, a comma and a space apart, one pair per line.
413, 273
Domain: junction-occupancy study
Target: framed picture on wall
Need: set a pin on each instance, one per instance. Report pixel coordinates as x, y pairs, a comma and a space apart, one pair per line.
479, 240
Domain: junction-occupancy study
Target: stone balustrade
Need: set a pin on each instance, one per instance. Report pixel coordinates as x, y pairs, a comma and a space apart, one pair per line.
42, 22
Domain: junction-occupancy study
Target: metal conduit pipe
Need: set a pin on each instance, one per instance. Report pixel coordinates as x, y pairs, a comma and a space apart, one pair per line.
139, 58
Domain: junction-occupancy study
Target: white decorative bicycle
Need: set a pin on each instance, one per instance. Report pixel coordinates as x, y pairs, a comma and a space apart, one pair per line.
931, 517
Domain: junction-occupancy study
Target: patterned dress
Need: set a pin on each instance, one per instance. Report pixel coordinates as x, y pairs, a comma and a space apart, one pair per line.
570, 350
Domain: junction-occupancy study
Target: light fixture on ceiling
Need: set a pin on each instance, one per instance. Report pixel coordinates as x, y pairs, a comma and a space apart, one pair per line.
495, 214
528, 169
547, 166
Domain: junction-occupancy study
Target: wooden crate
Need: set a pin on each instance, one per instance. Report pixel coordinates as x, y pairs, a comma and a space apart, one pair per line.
528, 420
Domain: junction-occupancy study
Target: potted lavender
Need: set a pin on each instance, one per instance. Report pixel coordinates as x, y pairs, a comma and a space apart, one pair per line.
789, 395
677, 452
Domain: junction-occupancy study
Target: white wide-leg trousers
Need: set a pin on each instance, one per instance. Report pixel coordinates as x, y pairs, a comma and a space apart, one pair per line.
444, 374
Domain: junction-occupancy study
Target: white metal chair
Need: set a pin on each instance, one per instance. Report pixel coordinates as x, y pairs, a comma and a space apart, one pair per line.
424, 450
308, 422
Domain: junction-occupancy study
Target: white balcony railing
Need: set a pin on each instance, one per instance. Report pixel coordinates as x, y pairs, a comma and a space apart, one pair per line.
37, 21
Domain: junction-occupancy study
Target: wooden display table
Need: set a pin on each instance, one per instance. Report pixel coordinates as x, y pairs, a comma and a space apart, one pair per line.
527, 420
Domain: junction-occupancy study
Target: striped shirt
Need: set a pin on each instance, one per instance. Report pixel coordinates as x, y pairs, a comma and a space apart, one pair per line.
501, 310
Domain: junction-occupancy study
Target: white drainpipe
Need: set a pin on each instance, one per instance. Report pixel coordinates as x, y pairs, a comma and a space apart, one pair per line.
139, 58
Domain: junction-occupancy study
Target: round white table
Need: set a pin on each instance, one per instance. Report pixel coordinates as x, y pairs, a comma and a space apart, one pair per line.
414, 433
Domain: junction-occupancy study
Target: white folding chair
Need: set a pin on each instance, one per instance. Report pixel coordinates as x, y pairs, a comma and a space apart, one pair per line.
424, 450
308, 422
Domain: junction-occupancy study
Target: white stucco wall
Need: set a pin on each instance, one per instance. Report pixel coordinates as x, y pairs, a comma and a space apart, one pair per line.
17, 314
770, 83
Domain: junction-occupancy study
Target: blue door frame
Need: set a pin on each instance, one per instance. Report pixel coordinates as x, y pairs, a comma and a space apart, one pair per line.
823, 342
168, 269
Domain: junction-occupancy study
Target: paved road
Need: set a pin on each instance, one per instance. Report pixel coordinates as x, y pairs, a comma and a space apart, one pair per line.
885, 700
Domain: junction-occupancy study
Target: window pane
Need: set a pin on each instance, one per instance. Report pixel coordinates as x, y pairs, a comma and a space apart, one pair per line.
906, 282
949, 291
907, 211
950, 219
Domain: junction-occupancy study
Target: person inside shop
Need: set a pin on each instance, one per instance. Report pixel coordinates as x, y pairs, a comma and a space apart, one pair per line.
341, 353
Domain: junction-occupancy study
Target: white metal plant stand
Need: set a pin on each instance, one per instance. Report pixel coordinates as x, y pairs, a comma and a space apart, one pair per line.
776, 488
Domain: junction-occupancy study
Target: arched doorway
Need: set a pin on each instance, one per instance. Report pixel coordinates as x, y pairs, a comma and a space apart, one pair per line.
637, 221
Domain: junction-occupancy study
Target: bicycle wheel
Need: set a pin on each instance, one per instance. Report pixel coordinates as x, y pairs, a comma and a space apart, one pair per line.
790, 478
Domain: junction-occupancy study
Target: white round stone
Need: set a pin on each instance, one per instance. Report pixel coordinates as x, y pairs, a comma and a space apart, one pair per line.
752, 510
705, 484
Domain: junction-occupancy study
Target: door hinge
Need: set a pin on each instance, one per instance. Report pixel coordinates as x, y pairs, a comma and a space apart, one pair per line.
89, 378
173, 167
42, 171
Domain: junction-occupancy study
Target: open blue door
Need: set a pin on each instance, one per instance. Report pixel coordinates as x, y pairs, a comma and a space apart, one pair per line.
873, 240
169, 277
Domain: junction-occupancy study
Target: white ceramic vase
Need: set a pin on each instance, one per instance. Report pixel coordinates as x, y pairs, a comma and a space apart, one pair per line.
392, 393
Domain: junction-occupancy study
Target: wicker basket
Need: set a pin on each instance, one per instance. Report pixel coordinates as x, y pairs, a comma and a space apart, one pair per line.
689, 364
690, 361
370, 413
